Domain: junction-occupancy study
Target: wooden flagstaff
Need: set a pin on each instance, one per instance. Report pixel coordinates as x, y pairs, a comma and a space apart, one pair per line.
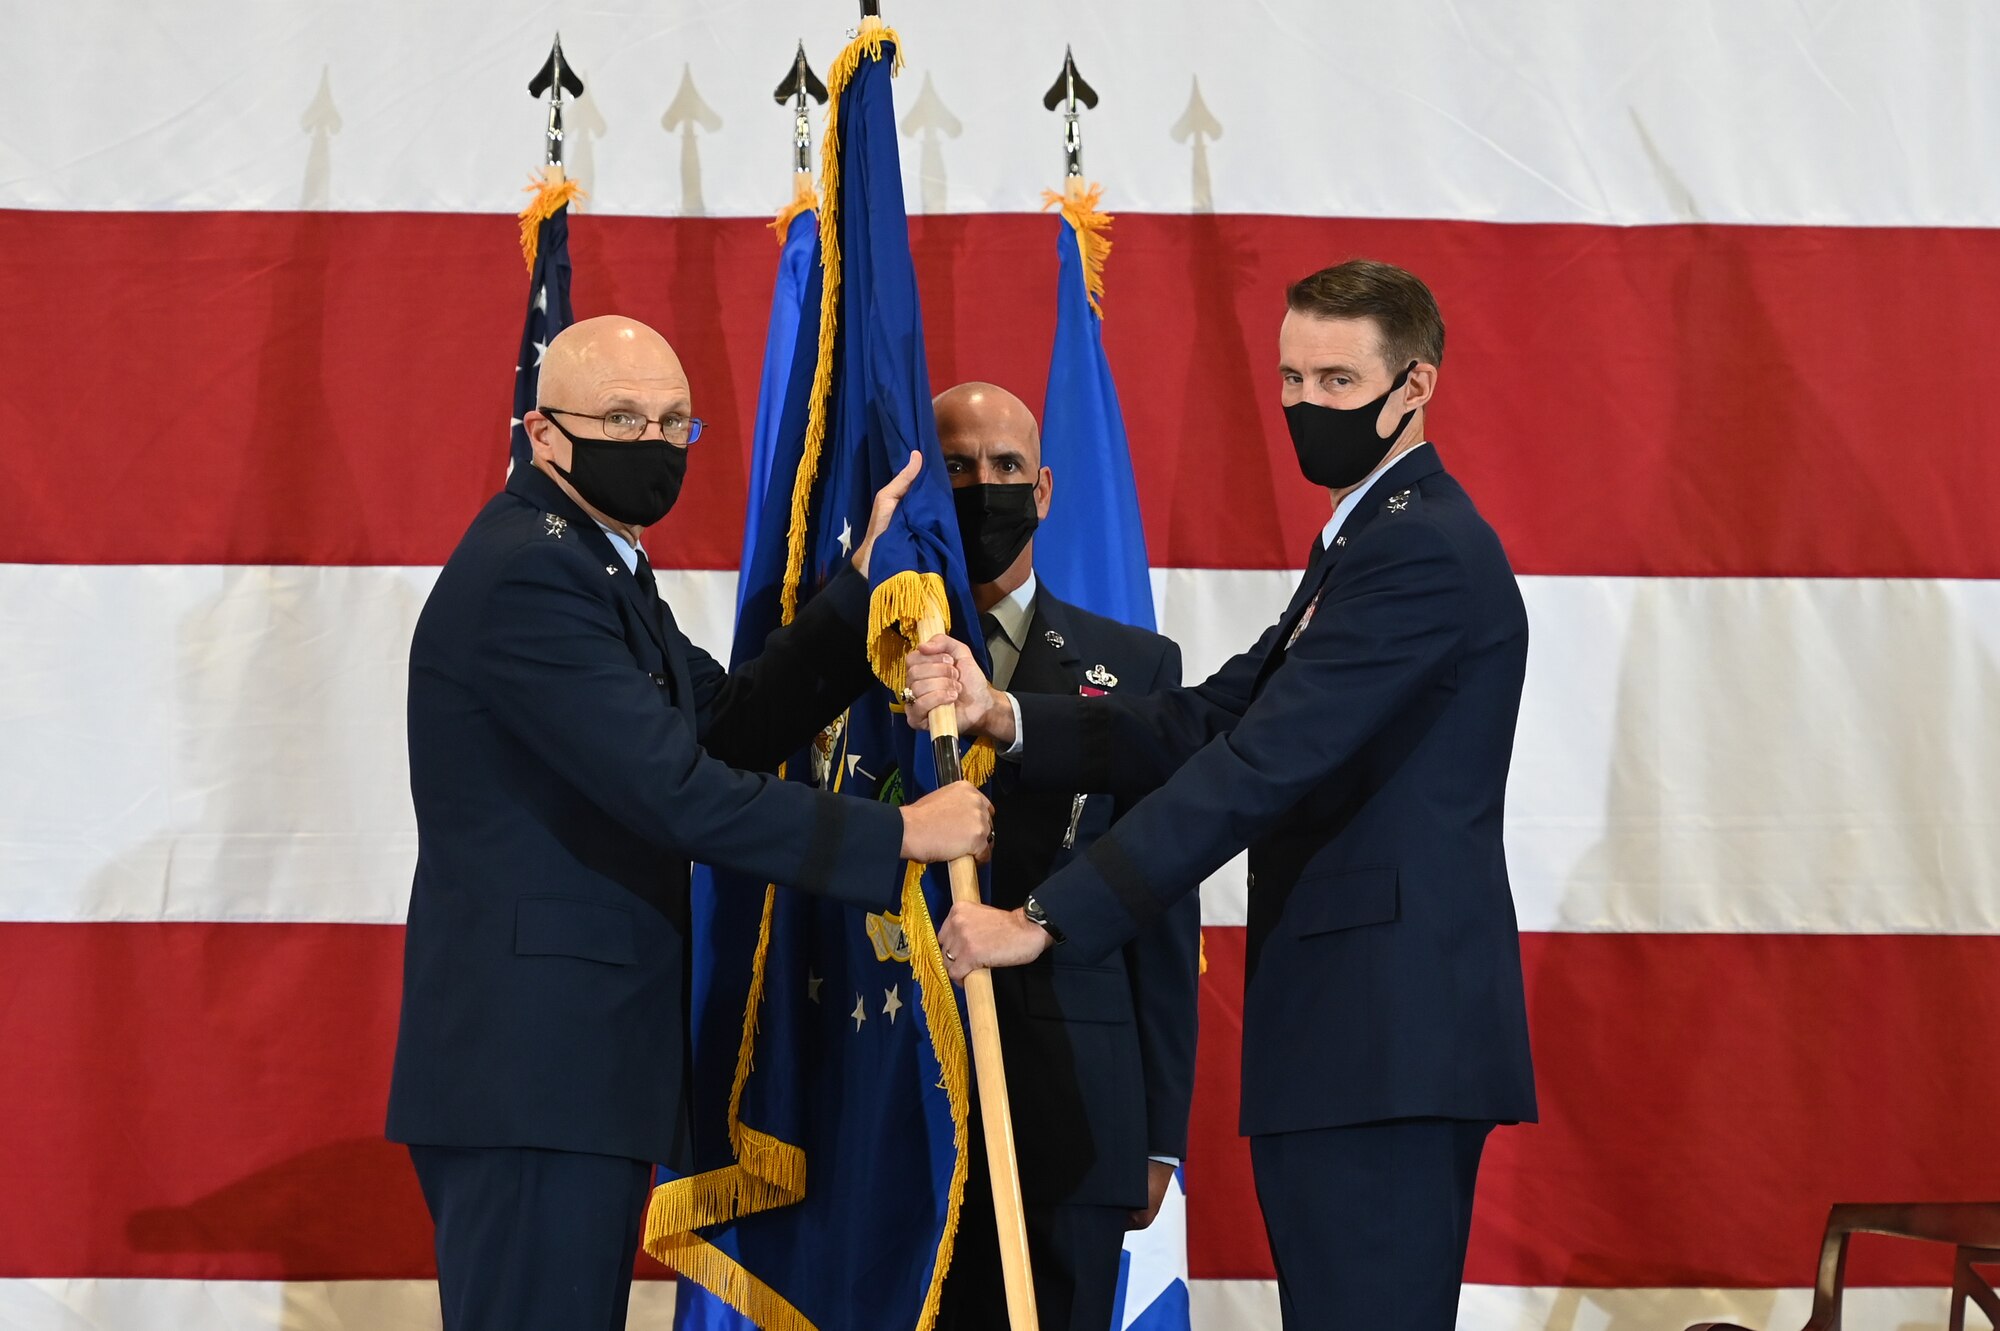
988, 1068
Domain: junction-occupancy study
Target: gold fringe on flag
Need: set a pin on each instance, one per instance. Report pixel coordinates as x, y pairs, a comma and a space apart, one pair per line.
867, 44
940, 1002
804, 200
769, 1172
553, 191
1078, 202
894, 610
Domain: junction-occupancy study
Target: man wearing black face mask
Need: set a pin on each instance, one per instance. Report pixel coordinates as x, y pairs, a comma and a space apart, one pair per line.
1100, 1059
1359, 750
570, 752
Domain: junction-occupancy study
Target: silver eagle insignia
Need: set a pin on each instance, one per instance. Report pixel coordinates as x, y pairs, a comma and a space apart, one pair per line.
555, 524
1399, 501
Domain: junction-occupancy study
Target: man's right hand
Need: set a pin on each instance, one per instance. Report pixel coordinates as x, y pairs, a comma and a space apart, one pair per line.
948, 823
943, 671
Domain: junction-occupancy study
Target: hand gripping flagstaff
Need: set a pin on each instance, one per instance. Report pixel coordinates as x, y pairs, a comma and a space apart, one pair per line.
989, 1067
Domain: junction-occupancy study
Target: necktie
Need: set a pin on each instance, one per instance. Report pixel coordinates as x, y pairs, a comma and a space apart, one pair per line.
989, 625
642, 572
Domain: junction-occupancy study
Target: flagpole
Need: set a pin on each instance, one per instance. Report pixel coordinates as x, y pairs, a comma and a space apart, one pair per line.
988, 1062
555, 77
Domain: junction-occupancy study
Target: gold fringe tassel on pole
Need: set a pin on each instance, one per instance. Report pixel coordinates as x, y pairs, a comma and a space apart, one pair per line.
553, 191
804, 200
1078, 202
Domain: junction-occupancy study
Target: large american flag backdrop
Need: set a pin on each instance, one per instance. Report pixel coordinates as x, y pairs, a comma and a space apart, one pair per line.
1720, 280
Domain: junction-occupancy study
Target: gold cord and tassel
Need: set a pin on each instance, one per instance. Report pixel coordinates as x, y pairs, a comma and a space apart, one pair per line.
553, 191
1078, 202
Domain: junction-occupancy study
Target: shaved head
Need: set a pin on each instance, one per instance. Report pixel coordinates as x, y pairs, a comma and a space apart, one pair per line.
989, 437
976, 411
606, 355
591, 369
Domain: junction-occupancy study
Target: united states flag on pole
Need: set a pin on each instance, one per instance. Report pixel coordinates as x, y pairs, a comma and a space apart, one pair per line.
545, 245
1718, 294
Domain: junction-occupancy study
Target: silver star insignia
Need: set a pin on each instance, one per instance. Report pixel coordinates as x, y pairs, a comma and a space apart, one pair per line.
1399, 501
555, 524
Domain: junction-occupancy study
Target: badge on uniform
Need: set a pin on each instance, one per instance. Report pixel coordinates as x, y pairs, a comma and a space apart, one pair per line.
1399, 501
555, 524
1304, 619
1054, 639
1101, 677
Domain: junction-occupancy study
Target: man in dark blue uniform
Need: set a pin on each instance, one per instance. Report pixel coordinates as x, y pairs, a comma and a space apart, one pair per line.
1100, 1053
1359, 750
570, 752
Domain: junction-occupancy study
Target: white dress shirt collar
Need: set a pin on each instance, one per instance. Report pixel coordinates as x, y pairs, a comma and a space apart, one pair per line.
1352, 500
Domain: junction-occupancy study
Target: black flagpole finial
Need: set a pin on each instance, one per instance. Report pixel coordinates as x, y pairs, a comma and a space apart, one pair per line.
555, 77
1070, 92
801, 84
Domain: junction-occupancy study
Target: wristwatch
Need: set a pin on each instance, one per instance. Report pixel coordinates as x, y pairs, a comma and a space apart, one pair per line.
1036, 915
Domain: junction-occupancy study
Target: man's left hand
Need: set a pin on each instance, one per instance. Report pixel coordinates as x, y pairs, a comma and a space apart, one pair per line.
976, 937
1159, 1175
886, 500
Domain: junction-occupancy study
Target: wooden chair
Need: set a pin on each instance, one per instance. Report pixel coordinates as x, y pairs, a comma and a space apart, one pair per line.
1972, 1227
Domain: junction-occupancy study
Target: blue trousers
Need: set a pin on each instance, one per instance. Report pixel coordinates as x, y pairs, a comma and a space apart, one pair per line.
531, 1240
1368, 1224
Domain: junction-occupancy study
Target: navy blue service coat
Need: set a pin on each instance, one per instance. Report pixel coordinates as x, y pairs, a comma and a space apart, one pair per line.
1100, 1051
1360, 751
570, 752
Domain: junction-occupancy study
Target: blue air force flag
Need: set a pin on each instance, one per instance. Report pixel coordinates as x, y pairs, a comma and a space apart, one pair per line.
831, 1072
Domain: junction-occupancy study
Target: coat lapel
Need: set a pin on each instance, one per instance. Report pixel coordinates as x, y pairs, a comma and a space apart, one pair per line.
1412, 467
529, 484
1051, 662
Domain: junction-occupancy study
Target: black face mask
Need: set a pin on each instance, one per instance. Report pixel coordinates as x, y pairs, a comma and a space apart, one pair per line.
1337, 446
995, 523
633, 482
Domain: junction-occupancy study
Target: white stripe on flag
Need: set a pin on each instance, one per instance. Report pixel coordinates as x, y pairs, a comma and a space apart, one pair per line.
1550, 111
1694, 755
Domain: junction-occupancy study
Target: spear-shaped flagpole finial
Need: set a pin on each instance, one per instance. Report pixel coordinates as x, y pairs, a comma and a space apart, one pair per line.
555, 78
800, 84
1069, 92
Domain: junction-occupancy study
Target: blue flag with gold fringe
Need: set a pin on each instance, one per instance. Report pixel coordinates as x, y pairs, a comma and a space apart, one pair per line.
1092, 544
831, 1070
719, 994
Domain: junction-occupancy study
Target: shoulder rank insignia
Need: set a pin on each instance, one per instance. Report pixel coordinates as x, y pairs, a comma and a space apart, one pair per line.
1101, 677
1399, 501
1054, 639
555, 524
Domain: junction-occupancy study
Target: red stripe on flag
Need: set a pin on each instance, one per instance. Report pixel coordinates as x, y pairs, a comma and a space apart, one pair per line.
1681, 400
1705, 1098
206, 1101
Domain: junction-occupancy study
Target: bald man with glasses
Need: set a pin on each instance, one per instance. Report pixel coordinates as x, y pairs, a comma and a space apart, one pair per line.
570, 752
